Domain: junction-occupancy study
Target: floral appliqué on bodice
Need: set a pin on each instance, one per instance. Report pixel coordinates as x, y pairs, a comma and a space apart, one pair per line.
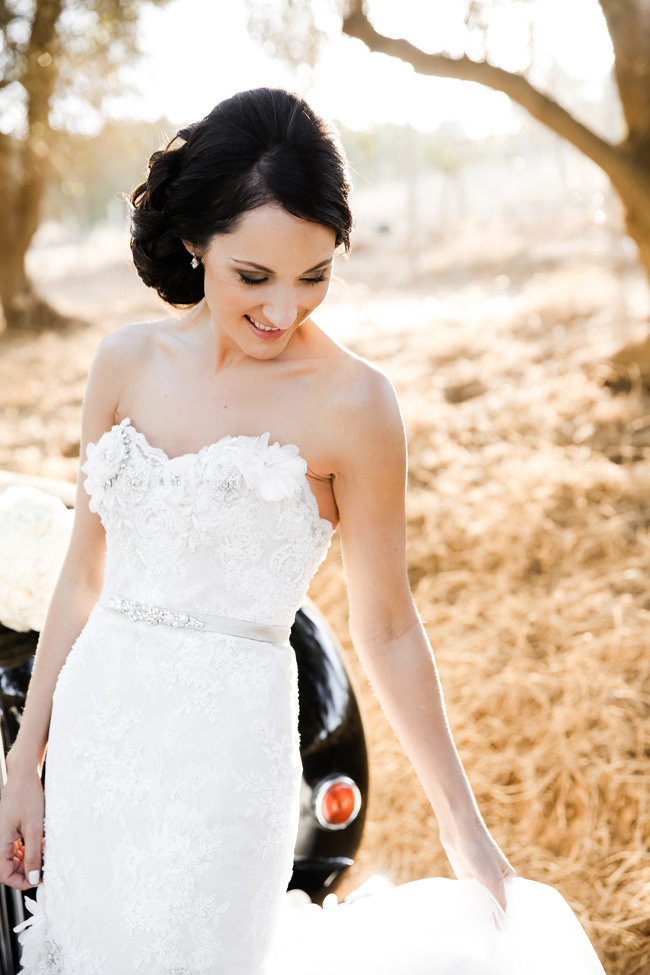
232, 529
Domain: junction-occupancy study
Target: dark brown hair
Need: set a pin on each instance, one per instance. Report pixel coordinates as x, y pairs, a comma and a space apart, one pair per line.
261, 146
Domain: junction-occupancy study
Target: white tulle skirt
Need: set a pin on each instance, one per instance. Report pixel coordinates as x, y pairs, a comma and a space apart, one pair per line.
433, 926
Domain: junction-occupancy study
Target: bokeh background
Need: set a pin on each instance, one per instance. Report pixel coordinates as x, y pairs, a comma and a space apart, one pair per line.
499, 273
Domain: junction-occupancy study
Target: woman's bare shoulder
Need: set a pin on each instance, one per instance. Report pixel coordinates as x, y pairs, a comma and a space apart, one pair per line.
364, 414
117, 357
129, 342
349, 373
356, 385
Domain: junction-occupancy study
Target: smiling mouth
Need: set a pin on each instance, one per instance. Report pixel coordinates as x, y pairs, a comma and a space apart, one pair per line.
263, 328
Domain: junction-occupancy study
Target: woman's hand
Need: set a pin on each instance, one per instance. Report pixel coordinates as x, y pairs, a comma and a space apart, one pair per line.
22, 809
473, 853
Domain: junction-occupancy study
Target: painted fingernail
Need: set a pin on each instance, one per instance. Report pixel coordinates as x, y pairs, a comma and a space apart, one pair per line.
33, 876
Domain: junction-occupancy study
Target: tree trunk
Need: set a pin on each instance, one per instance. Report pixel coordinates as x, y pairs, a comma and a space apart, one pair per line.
22, 176
628, 23
23, 309
24, 166
631, 180
630, 365
637, 220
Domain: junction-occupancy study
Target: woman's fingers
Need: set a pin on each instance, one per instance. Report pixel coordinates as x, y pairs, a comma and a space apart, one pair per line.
483, 861
499, 894
33, 848
21, 831
20, 862
11, 867
498, 885
10, 858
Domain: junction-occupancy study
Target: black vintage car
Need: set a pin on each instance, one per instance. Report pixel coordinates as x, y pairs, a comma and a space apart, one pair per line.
334, 787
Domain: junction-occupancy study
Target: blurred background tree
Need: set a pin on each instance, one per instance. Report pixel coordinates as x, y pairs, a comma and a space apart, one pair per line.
57, 57
297, 32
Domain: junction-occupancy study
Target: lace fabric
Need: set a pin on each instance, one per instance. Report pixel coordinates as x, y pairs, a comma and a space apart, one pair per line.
233, 529
173, 773
173, 762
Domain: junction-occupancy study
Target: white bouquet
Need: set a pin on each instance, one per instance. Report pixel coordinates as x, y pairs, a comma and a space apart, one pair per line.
35, 530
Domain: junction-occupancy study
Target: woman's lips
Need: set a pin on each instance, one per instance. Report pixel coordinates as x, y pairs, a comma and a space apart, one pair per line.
262, 333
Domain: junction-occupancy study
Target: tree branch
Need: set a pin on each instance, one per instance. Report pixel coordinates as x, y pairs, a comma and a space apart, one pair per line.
605, 154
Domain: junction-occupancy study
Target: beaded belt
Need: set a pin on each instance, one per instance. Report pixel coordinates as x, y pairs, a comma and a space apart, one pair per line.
155, 615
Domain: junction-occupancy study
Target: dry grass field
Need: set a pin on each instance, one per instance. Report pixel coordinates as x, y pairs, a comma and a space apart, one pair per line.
528, 531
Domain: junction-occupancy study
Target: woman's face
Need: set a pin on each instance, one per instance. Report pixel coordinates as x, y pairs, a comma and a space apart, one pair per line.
273, 271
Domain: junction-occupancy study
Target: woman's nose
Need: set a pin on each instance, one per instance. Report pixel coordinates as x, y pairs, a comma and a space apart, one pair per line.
281, 312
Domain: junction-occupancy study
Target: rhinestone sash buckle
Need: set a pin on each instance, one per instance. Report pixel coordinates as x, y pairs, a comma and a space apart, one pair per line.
156, 615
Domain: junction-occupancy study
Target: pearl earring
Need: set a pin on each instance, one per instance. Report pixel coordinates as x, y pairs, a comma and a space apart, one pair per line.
194, 262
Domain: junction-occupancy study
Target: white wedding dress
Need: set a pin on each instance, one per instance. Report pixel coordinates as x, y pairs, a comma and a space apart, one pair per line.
173, 764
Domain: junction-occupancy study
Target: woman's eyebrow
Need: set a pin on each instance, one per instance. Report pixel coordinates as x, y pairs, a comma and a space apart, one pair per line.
260, 267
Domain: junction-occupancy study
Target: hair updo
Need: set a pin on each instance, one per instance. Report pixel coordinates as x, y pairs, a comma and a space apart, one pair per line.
261, 146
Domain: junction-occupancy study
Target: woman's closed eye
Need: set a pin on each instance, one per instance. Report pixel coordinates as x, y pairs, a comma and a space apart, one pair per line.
246, 280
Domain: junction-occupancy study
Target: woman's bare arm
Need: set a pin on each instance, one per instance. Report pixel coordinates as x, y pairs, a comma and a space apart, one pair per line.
386, 629
81, 575
22, 805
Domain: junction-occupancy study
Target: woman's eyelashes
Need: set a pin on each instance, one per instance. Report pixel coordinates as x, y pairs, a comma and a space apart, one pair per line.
245, 280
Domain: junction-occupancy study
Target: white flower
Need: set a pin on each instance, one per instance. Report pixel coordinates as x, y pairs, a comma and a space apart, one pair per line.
179, 478
273, 471
103, 462
35, 530
36, 911
157, 527
38, 952
135, 483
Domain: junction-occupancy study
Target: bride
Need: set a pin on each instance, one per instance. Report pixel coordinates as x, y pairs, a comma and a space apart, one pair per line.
221, 449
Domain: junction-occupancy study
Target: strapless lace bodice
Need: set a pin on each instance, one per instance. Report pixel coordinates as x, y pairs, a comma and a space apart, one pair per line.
231, 529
